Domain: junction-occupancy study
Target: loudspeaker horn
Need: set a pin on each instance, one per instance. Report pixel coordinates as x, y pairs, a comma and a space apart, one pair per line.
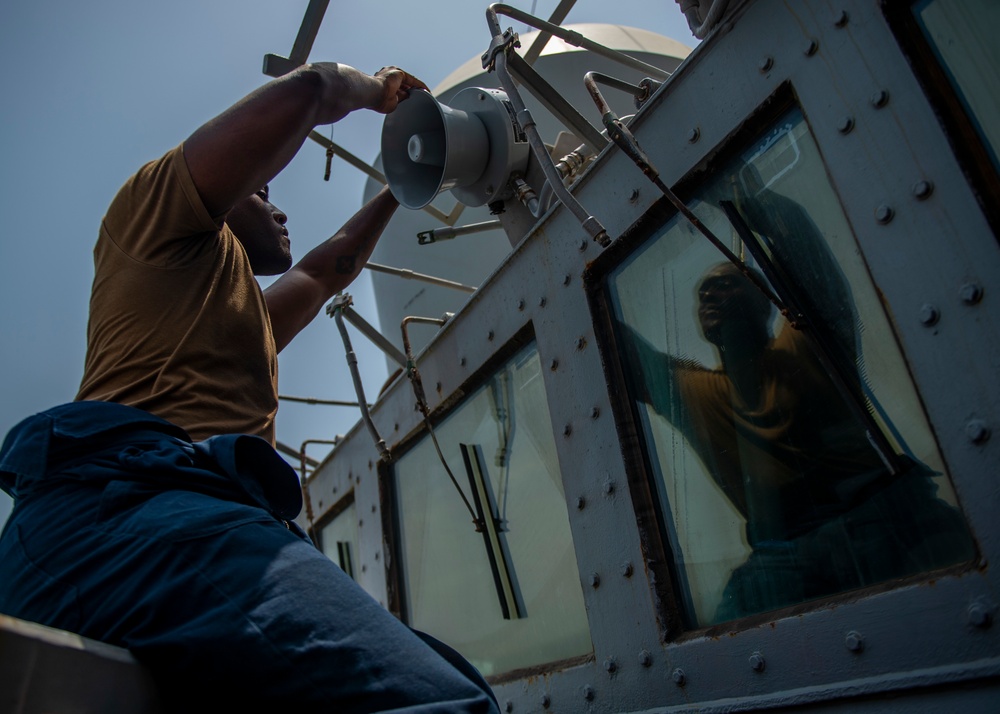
469, 147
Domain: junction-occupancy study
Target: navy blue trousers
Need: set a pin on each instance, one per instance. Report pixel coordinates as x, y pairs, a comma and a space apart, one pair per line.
133, 544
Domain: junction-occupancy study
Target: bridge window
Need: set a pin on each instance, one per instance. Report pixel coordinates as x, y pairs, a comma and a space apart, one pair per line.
338, 536
961, 34
790, 462
492, 570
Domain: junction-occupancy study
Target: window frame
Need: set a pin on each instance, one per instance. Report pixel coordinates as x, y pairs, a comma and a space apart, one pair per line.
653, 518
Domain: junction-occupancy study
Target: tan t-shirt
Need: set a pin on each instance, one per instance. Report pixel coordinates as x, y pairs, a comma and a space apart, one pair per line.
178, 324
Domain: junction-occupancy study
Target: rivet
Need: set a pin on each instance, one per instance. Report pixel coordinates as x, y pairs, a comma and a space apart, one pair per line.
373, 508
520, 304
679, 678
757, 663
541, 302
811, 47
370, 468
645, 659
609, 487
584, 244
546, 701
845, 125
437, 387
979, 616
588, 692
554, 365
581, 503
879, 98
977, 431
884, 214
395, 427
854, 641
929, 315
321, 503
627, 569
765, 64
567, 430
971, 293
364, 568
581, 343
361, 522
358, 479
595, 580
634, 196
610, 665
566, 279
508, 706
334, 489
923, 189
377, 554
840, 20
595, 412
490, 336
462, 361
693, 135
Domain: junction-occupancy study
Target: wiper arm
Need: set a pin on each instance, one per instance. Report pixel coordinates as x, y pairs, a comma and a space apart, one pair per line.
801, 318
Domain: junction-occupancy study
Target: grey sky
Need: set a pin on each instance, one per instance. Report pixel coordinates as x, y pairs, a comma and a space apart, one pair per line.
93, 90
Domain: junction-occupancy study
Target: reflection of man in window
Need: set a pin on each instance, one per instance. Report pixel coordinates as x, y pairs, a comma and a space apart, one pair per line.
823, 514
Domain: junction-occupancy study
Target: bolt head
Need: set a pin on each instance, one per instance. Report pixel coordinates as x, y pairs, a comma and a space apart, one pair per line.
879, 98
645, 658
545, 701
508, 706
595, 580
588, 693
609, 487
581, 503
979, 616
679, 677
765, 63
840, 19
627, 569
633, 196
693, 135
977, 431
757, 663
595, 412
971, 293
811, 47
922, 189
929, 315
854, 641
845, 125
610, 666
884, 214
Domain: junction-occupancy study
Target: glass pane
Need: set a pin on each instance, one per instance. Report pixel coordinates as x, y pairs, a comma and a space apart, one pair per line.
962, 34
339, 539
508, 595
772, 490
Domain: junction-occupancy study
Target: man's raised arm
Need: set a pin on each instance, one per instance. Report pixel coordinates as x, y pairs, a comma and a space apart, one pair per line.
295, 298
233, 155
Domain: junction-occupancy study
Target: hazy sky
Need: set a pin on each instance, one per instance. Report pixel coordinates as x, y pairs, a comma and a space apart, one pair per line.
92, 90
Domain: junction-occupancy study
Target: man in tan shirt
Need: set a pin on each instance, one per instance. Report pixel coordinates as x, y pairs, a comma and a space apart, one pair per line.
175, 535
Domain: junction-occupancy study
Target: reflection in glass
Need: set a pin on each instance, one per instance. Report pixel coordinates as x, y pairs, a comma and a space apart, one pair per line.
338, 539
509, 595
962, 34
773, 492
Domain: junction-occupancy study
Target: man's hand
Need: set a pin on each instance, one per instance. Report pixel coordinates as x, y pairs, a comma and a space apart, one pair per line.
396, 86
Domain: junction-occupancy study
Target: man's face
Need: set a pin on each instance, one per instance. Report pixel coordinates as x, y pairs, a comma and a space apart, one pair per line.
260, 228
726, 296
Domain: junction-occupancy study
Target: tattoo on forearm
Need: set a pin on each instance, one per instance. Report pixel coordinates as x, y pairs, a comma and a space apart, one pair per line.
345, 264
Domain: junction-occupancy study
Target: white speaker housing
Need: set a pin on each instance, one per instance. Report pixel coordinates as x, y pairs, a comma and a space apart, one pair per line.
469, 147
